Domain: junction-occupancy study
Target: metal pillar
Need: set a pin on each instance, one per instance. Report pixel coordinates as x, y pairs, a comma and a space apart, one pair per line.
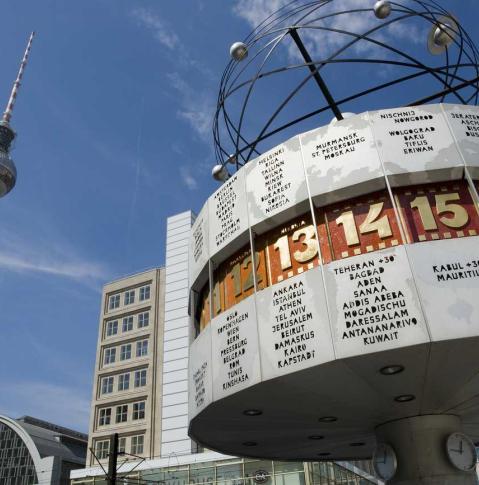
420, 446
113, 459
317, 77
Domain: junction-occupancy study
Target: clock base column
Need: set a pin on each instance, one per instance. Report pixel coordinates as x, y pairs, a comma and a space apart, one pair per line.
420, 446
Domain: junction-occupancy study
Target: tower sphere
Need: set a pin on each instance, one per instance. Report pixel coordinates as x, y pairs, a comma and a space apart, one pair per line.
8, 174
8, 171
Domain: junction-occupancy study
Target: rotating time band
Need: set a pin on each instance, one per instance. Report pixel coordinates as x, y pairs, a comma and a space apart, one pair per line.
362, 225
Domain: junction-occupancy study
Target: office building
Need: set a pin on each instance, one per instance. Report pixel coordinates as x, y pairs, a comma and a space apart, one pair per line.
127, 380
34, 451
140, 383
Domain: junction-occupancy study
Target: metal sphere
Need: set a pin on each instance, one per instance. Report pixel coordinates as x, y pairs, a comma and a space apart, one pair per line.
232, 159
8, 174
443, 35
239, 51
382, 9
220, 173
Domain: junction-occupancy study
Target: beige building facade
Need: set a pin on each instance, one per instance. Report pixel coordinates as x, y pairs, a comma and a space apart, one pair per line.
127, 397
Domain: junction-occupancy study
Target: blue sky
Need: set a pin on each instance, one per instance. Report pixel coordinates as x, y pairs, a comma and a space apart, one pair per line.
114, 134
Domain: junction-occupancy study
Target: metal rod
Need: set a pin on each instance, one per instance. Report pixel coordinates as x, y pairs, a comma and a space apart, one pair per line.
314, 70
97, 459
7, 115
452, 89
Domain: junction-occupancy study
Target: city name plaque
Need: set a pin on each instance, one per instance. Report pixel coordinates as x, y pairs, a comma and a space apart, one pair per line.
235, 349
276, 186
198, 249
374, 304
464, 123
341, 160
416, 145
228, 216
447, 277
200, 385
293, 325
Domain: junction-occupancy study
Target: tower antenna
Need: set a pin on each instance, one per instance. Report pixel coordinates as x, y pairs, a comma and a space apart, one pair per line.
7, 115
8, 171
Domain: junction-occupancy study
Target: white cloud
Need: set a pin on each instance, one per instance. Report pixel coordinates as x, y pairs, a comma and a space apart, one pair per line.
322, 44
164, 34
168, 38
196, 106
199, 117
64, 405
255, 11
48, 257
79, 270
196, 103
188, 178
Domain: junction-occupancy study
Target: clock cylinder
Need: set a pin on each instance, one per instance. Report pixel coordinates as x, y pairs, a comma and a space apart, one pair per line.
420, 446
334, 286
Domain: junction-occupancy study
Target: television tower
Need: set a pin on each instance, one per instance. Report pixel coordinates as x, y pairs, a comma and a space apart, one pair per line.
8, 171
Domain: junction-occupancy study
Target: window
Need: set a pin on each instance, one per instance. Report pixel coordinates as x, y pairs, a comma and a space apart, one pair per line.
104, 417
124, 382
102, 448
111, 328
202, 473
142, 348
107, 385
137, 445
110, 355
122, 413
140, 378
129, 297
121, 445
139, 410
145, 293
143, 319
125, 352
114, 302
127, 324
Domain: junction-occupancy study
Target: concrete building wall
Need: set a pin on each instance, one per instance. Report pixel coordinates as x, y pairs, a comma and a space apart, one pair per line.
128, 376
177, 338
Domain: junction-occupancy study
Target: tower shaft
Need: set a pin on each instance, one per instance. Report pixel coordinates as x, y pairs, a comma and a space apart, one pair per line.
11, 102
